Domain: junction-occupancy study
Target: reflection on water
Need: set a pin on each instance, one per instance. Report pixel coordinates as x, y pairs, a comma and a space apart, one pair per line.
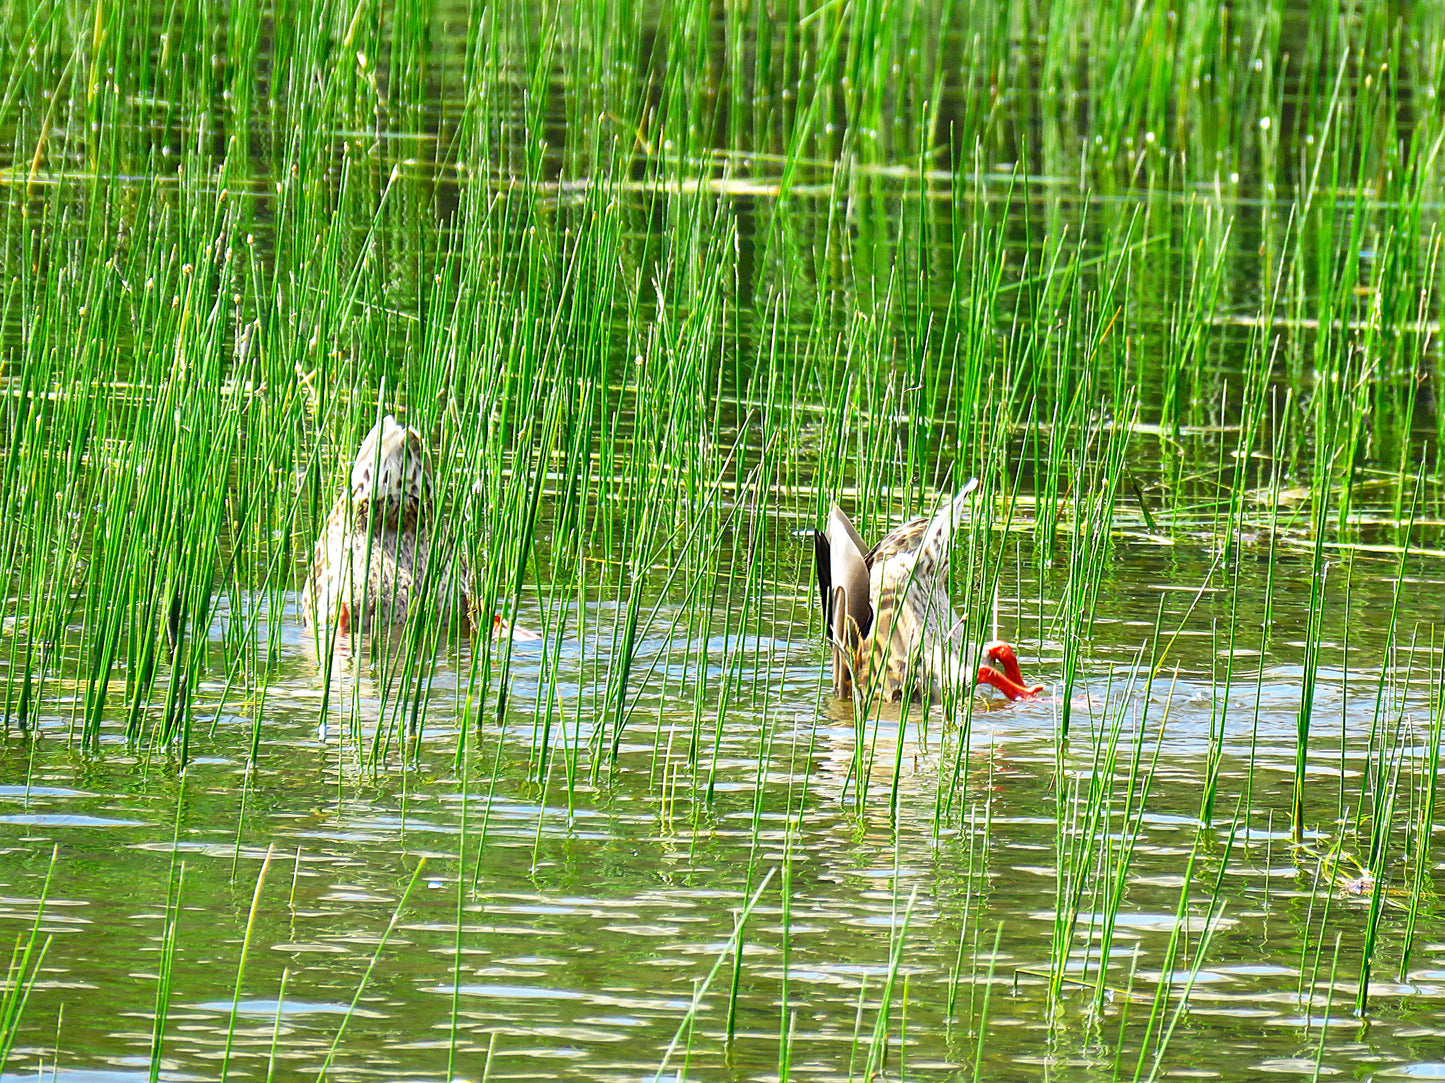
562, 929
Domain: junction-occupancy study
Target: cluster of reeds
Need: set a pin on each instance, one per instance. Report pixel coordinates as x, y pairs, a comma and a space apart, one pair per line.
659, 285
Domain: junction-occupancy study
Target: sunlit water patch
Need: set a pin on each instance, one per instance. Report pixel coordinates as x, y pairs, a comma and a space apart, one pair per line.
576, 906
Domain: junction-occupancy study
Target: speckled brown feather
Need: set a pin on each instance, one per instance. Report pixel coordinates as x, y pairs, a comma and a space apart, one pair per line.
911, 645
902, 539
379, 551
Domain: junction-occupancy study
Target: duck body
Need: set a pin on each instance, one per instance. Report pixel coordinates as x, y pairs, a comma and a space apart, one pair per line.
379, 554
891, 624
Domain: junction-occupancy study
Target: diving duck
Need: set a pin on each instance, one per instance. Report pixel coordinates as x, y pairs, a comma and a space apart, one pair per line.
889, 618
380, 553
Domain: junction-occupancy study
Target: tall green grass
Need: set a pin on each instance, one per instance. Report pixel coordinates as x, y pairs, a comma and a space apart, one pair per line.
594, 264
659, 285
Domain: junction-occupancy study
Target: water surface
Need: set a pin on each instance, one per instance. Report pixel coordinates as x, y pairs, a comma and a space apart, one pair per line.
742, 248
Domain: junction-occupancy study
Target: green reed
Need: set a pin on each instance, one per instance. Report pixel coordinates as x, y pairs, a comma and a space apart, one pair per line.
1160, 1026
658, 286
370, 967
241, 962
23, 969
1419, 844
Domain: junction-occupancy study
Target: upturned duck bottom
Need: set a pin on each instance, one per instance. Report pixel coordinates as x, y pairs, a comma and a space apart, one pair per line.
889, 619
380, 555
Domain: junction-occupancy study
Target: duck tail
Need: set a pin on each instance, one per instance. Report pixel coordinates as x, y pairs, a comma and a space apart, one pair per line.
937, 539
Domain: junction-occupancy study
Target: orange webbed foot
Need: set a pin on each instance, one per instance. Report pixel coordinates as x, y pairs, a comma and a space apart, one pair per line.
1004, 672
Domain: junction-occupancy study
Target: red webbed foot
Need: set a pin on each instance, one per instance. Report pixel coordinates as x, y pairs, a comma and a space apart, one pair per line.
1004, 673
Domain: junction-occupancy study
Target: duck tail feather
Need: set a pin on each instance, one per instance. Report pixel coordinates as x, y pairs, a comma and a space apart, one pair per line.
933, 549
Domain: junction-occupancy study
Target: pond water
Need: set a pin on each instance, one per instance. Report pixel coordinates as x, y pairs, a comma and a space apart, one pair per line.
707, 867
592, 916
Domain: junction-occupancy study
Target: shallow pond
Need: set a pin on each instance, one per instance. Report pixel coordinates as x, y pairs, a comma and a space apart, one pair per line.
658, 283
595, 920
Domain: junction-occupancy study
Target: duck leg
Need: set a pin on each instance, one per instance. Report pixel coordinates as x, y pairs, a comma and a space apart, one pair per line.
1004, 673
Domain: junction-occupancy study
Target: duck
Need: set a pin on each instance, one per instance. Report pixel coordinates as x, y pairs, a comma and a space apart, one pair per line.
380, 554
889, 619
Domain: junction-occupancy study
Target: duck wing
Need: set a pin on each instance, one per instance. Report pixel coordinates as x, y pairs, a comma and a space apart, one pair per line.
842, 571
